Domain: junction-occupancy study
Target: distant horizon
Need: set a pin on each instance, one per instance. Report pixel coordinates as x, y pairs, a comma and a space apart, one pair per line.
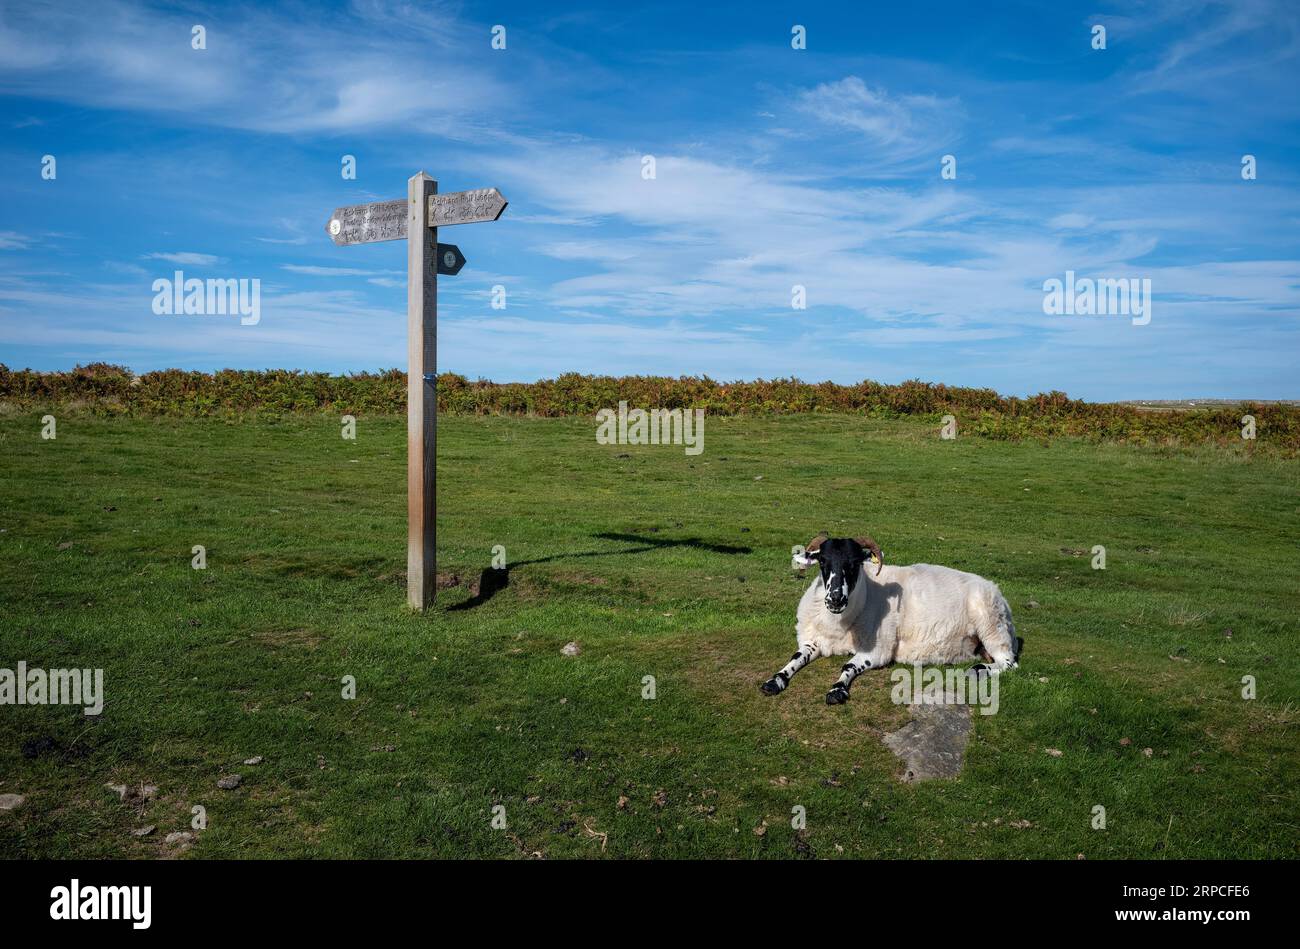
1231, 400
691, 192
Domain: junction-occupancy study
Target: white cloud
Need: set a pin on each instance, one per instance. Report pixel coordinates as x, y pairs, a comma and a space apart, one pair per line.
364, 68
115, 322
1070, 221
312, 270
899, 127
186, 258
284, 240
586, 250
722, 242
116, 266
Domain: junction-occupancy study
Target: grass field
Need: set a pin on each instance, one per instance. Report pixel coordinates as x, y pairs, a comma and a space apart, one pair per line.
658, 564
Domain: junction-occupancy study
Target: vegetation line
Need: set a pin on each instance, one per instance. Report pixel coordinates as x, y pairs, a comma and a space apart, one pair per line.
104, 389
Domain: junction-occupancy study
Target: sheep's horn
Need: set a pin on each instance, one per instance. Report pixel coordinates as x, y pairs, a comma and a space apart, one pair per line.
872, 546
815, 544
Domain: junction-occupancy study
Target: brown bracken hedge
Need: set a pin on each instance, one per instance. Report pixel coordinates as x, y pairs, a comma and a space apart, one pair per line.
104, 389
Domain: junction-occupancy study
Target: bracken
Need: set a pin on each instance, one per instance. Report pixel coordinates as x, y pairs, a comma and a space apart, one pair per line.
105, 389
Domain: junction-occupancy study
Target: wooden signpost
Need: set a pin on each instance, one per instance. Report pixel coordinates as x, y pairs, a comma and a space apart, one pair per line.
417, 218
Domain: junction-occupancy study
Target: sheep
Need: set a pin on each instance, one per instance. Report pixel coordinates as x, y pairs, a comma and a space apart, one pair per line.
917, 614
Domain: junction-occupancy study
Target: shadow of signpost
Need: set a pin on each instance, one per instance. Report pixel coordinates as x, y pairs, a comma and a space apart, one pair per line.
493, 579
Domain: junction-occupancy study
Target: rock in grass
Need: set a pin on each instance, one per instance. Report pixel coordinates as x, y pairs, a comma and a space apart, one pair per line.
9, 802
144, 831
933, 743
178, 837
256, 759
230, 782
134, 794
571, 649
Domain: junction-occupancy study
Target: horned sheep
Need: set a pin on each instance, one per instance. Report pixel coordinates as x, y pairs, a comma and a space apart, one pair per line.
916, 614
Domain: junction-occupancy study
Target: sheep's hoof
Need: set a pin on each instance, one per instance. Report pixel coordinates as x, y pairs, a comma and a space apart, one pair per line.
772, 686
837, 696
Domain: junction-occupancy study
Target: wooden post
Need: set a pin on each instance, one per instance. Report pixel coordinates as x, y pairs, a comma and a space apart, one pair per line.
421, 393
418, 219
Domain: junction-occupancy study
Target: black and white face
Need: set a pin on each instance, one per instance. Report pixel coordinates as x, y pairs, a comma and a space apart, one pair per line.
840, 560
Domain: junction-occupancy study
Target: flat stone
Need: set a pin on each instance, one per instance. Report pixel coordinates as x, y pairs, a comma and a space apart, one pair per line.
571, 649
10, 801
230, 782
933, 743
134, 794
178, 837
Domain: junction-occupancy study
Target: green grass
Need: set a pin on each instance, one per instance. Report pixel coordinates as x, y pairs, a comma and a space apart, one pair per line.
657, 564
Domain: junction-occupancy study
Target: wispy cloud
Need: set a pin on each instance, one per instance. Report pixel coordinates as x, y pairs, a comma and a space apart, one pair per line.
352, 70
897, 127
1210, 48
186, 258
313, 270
117, 266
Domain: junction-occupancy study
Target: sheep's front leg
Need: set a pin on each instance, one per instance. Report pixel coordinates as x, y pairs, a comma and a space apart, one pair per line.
776, 685
858, 664
882, 654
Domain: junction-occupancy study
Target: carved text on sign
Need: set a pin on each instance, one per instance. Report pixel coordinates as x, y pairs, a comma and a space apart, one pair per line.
465, 207
363, 223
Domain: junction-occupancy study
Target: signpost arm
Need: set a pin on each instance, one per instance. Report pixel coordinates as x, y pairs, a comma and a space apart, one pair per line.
421, 392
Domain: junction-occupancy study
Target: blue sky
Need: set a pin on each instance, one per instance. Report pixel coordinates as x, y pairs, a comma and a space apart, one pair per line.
774, 167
